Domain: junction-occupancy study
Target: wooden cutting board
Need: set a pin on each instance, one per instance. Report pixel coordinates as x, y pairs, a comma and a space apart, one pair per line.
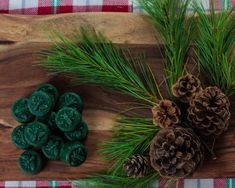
22, 36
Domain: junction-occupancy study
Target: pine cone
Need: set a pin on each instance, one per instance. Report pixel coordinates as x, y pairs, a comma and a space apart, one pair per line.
186, 88
166, 114
209, 111
137, 166
176, 152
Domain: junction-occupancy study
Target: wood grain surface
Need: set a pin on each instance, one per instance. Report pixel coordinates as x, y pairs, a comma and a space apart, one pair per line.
121, 28
22, 36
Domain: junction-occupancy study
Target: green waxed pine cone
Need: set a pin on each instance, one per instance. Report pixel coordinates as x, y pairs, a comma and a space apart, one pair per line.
73, 153
36, 134
72, 100
68, 119
40, 103
21, 111
79, 134
49, 89
18, 138
30, 162
52, 148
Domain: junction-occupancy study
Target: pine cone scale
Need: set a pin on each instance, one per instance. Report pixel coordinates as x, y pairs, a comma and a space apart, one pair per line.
166, 114
182, 153
209, 111
186, 88
137, 166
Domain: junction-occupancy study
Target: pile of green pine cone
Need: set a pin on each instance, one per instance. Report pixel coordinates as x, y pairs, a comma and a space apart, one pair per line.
52, 128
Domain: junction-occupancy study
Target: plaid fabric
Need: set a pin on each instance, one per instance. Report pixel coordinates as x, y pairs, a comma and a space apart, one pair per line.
219, 4
200, 183
35, 184
224, 4
40, 7
187, 183
207, 183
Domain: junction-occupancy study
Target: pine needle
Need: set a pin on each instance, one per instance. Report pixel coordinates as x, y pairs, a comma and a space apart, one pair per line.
176, 31
215, 47
131, 136
90, 58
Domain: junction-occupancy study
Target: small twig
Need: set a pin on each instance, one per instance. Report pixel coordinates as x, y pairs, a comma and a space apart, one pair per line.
210, 150
213, 145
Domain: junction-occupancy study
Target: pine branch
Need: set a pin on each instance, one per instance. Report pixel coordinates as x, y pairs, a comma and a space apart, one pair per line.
176, 31
131, 136
215, 47
97, 60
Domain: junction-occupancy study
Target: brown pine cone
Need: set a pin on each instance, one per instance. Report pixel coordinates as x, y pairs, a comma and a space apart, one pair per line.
166, 114
176, 152
137, 166
209, 111
186, 88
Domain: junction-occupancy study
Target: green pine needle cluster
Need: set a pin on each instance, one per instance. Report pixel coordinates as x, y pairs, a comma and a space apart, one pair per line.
131, 136
213, 34
176, 31
215, 44
90, 58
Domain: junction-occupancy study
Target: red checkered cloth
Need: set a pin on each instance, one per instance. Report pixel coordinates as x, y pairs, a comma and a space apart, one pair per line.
183, 183
40, 7
35, 184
